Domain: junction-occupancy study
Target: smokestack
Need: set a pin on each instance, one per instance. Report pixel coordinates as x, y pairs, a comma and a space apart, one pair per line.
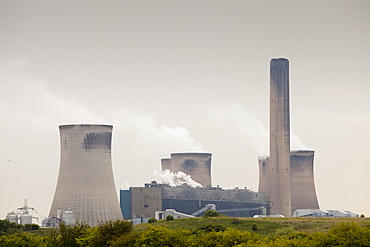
302, 180
85, 182
197, 165
279, 192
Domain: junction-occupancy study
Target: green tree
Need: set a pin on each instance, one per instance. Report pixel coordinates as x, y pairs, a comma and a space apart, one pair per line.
169, 217
21, 240
160, 236
105, 233
152, 220
31, 227
211, 213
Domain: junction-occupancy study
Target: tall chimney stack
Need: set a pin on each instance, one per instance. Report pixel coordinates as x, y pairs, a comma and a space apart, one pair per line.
278, 194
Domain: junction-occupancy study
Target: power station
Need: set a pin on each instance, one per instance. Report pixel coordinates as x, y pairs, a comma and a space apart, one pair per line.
86, 192
85, 183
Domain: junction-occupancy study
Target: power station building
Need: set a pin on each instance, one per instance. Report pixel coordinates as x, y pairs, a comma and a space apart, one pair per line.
85, 183
143, 202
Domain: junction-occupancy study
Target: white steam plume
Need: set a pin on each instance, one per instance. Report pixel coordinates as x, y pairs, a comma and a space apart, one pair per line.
177, 178
243, 124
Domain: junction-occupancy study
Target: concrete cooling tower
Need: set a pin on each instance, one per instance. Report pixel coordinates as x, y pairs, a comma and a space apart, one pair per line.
85, 183
302, 180
302, 183
197, 165
166, 164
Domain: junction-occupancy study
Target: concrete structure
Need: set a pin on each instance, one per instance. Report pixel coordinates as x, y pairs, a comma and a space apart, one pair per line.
278, 193
197, 165
85, 183
303, 193
145, 201
302, 182
166, 164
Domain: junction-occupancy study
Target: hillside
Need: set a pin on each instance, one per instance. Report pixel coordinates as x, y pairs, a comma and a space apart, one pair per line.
263, 226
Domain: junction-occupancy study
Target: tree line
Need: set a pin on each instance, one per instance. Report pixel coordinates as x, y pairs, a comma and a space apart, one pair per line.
122, 233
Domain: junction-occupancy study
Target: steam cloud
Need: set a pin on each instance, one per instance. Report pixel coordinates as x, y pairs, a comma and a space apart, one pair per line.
244, 124
177, 178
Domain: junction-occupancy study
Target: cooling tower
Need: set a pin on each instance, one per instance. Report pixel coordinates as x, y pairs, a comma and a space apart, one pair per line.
264, 174
166, 164
302, 181
279, 193
197, 165
85, 183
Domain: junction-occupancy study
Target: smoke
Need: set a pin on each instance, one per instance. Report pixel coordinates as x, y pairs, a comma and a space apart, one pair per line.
177, 178
247, 128
26, 98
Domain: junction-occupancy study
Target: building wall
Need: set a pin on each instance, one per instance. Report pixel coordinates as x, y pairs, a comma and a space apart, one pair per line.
125, 203
279, 192
85, 183
197, 165
145, 201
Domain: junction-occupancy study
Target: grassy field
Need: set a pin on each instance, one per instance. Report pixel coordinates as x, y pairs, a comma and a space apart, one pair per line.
263, 226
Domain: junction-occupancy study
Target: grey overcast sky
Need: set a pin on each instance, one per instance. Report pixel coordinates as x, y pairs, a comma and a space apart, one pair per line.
177, 76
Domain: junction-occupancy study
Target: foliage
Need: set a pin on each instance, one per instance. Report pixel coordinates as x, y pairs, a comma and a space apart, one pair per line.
206, 232
160, 236
31, 227
21, 239
254, 227
7, 227
169, 217
212, 228
152, 220
67, 235
105, 233
211, 213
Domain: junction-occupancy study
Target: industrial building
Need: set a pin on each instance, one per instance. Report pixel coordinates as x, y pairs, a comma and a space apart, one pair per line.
143, 202
23, 215
85, 183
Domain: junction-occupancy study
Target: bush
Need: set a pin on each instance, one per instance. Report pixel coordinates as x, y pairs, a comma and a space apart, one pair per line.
152, 220
169, 217
31, 227
212, 228
211, 213
107, 232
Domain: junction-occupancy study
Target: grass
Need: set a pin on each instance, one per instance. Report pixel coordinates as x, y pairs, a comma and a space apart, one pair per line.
263, 226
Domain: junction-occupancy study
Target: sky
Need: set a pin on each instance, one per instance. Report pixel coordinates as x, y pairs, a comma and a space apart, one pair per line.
174, 76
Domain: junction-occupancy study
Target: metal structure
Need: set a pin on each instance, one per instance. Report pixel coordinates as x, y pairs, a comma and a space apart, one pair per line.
23, 215
197, 165
85, 183
278, 193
